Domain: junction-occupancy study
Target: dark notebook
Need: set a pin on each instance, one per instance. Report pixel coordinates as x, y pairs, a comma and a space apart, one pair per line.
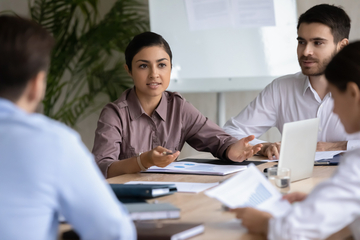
158, 231
331, 161
142, 191
167, 231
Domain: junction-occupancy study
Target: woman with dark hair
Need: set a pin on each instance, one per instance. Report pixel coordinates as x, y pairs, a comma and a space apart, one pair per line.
335, 203
148, 126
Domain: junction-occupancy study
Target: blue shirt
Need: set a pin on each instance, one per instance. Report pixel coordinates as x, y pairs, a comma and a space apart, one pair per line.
45, 170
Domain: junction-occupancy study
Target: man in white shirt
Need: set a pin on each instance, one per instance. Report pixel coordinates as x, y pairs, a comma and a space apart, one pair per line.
45, 170
322, 31
335, 203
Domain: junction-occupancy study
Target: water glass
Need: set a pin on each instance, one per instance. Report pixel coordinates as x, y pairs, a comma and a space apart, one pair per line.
280, 178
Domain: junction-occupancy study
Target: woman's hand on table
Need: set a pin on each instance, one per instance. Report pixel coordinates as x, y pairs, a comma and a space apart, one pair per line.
241, 150
159, 157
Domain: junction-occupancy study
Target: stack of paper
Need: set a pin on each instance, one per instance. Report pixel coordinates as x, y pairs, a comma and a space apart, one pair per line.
147, 211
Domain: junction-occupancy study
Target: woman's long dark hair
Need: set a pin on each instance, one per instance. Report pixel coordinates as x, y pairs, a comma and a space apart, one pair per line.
345, 67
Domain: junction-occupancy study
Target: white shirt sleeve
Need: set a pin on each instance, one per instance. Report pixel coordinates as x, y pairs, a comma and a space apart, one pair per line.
86, 201
256, 118
352, 144
332, 205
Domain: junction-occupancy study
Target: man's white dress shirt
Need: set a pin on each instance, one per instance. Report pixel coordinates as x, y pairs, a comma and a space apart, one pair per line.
45, 170
287, 99
331, 206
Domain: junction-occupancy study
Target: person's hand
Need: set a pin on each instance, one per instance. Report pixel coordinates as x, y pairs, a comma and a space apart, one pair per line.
158, 157
295, 197
271, 149
242, 150
254, 220
331, 146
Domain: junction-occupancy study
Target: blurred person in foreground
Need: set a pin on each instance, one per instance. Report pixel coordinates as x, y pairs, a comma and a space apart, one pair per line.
45, 170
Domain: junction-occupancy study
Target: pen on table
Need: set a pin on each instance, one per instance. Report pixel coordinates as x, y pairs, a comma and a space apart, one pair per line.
225, 208
166, 153
321, 163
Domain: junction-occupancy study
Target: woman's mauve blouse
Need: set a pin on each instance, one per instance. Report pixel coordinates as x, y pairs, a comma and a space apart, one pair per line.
124, 129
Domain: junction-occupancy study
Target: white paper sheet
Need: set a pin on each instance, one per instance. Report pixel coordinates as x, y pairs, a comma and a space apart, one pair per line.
211, 14
250, 189
208, 14
318, 155
197, 168
182, 186
253, 13
326, 154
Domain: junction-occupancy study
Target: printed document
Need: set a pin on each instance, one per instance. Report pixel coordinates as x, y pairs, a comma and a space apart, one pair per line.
250, 188
197, 168
326, 154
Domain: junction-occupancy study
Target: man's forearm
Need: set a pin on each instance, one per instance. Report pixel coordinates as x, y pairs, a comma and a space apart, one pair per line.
331, 146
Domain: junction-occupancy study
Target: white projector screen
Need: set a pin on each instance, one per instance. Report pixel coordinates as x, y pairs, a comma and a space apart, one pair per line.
225, 58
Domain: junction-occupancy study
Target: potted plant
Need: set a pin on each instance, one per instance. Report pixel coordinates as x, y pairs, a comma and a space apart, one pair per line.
88, 57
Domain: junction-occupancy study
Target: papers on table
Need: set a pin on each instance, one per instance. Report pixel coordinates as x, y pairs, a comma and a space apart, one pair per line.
197, 168
326, 154
250, 189
318, 156
182, 186
267, 160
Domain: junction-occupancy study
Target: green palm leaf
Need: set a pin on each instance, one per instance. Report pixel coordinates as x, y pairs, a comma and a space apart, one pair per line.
87, 60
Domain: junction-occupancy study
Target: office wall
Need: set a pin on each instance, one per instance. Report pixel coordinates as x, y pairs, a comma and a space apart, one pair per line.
205, 102
236, 101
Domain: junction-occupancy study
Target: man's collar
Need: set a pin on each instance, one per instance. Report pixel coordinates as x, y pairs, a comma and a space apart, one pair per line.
8, 105
307, 84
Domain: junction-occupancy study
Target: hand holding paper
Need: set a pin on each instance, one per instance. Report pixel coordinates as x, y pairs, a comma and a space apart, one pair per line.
254, 220
250, 188
248, 192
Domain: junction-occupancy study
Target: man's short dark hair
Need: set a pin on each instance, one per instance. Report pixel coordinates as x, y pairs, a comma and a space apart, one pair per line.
25, 49
331, 16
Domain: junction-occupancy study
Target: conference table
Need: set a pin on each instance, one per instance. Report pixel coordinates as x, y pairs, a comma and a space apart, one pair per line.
199, 208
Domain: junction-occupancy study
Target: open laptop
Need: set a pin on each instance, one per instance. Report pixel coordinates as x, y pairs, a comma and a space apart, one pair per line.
298, 147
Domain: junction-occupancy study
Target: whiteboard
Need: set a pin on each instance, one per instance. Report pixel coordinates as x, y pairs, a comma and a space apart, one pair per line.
226, 58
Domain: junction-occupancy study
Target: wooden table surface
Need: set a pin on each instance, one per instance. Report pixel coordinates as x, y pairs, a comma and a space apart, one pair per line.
218, 224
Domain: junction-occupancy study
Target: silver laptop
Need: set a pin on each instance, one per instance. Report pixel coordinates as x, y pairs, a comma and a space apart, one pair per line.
298, 147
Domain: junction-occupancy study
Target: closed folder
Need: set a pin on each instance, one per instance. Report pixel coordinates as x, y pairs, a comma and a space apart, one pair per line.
167, 231
142, 190
331, 161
